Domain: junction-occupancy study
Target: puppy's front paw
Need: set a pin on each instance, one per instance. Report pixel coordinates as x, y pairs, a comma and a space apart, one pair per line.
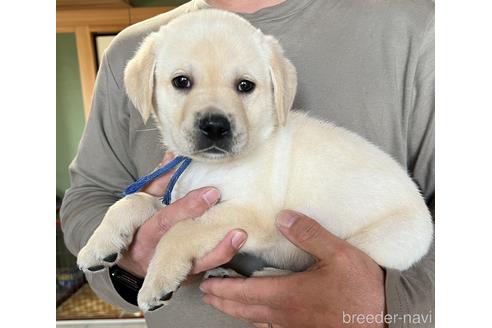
115, 233
153, 295
162, 280
102, 250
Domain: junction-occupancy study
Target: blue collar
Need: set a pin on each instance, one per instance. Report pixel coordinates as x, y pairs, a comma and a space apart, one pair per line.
166, 199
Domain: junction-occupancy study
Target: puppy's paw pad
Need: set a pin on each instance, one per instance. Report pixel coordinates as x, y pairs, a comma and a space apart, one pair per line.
111, 258
96, 268
166, 297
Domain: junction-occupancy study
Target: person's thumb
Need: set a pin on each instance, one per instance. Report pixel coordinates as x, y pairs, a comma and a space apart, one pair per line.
307, 234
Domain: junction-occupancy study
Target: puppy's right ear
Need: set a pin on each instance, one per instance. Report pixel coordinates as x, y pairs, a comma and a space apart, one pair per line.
139, 77
284, 80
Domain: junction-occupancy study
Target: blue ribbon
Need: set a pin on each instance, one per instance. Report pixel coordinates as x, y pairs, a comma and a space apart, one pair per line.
143, 181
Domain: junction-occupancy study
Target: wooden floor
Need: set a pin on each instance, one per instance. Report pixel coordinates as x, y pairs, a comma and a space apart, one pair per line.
84, 304
104, 323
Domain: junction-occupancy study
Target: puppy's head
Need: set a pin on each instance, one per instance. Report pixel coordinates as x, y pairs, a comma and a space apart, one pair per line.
216, 85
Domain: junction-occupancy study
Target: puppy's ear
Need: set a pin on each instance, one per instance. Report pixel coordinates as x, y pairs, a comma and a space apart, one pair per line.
139, 77
284, 80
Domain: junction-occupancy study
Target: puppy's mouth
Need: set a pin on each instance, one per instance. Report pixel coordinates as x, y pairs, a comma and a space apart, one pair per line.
217, 149
213, 152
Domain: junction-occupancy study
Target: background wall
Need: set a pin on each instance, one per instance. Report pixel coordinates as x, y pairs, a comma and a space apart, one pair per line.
69, 107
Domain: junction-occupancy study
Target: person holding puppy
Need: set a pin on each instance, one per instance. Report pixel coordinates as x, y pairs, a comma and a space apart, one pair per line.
365, 66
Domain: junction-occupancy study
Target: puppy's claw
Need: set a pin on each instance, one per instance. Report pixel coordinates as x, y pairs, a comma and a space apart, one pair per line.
111, 258
96, 268
155, 307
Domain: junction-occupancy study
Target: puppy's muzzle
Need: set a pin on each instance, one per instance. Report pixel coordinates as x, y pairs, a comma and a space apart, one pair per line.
215, 133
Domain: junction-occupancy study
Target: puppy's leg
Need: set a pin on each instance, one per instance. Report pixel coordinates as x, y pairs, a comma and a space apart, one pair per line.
190, 240
397, 241
115, 233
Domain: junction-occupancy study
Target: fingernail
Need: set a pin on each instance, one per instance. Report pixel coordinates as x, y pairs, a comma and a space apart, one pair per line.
203, 287
211, 196
287, 219
238, 239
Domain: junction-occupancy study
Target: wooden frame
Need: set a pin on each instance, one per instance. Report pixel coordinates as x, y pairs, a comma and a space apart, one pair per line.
85, 23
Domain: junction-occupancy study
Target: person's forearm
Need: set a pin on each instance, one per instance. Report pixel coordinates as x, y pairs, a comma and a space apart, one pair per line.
81, 213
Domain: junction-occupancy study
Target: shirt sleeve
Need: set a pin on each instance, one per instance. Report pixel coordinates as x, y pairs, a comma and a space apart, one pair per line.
104, 166
100, 171
411, 293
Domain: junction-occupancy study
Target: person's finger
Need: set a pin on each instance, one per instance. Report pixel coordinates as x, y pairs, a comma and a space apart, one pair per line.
222, 253
158, 186
308, 234
256, 313
193, 205
271, 291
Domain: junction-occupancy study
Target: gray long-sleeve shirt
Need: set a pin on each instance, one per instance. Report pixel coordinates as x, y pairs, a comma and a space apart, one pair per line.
366, 65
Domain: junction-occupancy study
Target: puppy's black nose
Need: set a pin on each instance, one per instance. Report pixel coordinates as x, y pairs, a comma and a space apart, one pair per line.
215, 126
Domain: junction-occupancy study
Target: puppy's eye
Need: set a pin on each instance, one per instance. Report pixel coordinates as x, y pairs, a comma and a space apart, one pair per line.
182, 82
245, 86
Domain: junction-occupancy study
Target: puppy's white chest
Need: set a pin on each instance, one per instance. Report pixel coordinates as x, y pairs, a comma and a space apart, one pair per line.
234, 181
261, 177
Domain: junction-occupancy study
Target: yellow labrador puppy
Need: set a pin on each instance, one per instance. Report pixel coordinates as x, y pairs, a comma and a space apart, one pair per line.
221, 92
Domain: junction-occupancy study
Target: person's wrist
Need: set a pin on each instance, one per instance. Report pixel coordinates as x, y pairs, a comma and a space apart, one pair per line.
132, 267
382, 293
125, 284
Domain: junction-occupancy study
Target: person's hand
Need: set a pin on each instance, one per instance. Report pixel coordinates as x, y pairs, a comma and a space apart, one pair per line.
343, 282
136, 259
